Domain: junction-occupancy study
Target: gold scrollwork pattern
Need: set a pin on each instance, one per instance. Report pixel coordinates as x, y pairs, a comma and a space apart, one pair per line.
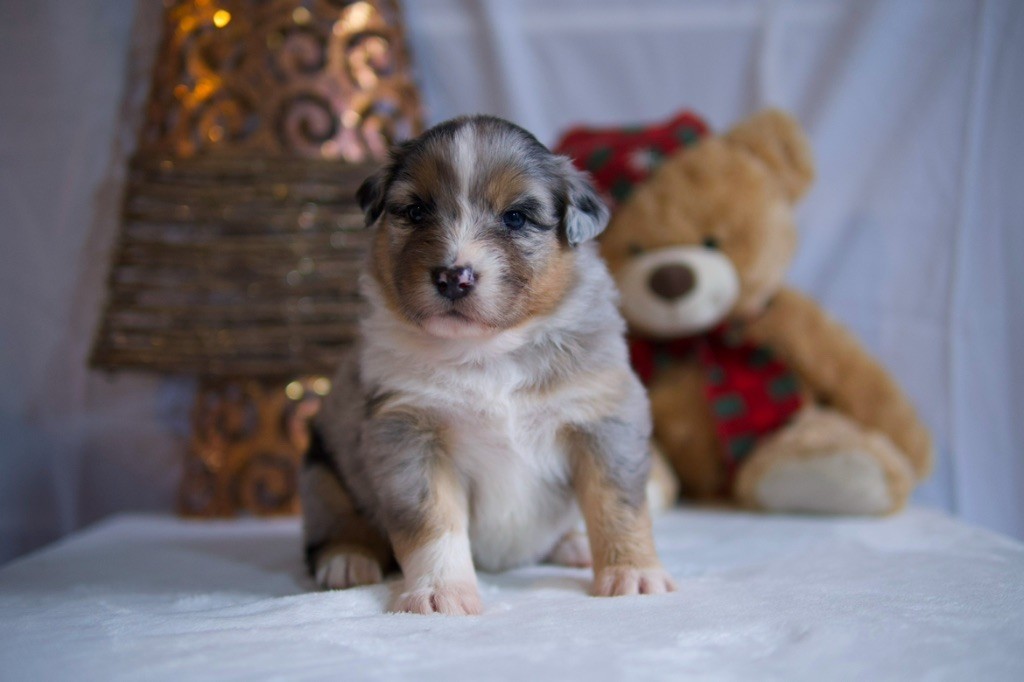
247, 443
325, 79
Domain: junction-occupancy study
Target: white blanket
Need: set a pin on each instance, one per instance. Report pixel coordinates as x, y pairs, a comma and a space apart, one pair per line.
152, 598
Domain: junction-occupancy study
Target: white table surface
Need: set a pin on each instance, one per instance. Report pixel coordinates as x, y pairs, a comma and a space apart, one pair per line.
918, 596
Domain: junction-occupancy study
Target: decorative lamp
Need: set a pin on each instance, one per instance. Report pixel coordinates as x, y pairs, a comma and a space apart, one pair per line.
241, 240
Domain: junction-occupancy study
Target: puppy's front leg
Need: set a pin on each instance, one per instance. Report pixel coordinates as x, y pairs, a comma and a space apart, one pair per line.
435, 556
426, 516
610, 469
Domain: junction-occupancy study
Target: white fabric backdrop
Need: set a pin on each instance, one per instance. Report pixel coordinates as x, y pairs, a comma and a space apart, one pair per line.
912, 234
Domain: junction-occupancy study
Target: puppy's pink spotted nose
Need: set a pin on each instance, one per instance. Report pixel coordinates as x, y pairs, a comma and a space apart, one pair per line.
455, 282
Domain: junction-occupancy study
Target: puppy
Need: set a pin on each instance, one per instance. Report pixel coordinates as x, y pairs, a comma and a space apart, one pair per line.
490, 402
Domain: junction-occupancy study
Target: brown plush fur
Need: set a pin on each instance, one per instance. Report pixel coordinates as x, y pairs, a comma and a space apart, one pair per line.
740, 189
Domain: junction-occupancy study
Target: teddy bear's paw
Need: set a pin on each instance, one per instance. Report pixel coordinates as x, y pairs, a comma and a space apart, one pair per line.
621, 581
662, 484
841, 482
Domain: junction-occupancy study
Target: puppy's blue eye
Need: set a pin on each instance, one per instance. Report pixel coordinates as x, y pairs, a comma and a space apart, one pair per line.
513, 220
710, 243
416, 213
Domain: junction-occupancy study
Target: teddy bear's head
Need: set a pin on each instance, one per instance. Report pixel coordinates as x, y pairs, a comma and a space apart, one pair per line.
710, 235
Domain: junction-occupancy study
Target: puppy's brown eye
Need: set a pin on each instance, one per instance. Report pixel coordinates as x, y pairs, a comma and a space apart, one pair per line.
513, 220
416, 213
634, 249
711, 243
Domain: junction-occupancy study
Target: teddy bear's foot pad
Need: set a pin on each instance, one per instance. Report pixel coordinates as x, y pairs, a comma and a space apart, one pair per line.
851, 482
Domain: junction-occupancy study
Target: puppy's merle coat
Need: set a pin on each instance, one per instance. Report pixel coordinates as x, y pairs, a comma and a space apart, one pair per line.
490, 400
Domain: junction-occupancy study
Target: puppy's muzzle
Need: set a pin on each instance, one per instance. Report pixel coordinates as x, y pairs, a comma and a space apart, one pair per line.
455, 282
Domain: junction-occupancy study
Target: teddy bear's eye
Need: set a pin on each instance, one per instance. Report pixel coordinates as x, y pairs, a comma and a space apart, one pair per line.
634, 249
710, 243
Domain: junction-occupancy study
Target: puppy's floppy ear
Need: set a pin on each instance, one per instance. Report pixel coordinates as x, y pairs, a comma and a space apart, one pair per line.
371, 194
374, 188
586, 216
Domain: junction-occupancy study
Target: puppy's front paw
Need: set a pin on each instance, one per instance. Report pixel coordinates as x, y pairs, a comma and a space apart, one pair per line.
341, 569
617, 581
453, 599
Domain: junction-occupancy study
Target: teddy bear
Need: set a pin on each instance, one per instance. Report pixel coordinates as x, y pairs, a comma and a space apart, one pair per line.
758, 396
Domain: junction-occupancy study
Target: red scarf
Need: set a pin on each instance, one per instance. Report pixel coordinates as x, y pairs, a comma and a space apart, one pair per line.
751, 393
619, 159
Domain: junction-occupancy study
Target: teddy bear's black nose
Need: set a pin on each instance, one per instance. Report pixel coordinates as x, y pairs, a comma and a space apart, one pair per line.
455, 282
672, 281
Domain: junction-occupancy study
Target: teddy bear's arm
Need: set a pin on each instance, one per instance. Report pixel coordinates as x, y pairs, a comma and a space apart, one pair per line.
837, 369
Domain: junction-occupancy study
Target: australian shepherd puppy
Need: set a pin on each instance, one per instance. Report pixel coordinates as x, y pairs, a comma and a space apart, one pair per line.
489, 410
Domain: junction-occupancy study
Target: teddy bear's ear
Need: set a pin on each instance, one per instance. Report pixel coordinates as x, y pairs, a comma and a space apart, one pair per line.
586, 215
777, 140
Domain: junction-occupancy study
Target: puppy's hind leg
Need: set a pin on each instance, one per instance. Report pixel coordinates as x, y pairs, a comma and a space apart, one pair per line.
340, 566
573, 549
342, 548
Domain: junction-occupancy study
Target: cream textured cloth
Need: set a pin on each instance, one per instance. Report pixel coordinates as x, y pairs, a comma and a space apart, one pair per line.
150, 598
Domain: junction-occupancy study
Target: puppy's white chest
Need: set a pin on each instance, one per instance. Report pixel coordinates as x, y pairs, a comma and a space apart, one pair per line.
517, 476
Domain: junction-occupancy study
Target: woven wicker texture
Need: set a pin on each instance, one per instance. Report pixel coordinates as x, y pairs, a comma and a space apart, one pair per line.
241, 241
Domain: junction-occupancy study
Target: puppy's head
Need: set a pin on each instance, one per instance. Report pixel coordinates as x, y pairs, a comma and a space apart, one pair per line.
476, 225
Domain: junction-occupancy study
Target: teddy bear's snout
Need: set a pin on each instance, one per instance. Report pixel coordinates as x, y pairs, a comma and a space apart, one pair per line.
672, 281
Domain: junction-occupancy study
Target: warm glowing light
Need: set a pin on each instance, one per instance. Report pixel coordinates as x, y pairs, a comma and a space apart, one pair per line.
221, 18
321, 386
301, 15
204, 88
358, 16
350, 119
294, 390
